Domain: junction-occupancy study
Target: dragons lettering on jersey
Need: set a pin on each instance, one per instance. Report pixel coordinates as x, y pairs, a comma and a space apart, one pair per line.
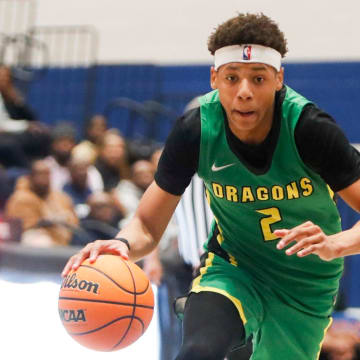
294, 190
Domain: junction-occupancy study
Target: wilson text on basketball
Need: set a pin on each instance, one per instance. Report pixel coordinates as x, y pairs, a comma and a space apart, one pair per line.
72, 282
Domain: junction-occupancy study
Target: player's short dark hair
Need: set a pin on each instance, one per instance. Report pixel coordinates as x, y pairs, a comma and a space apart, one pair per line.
248, 29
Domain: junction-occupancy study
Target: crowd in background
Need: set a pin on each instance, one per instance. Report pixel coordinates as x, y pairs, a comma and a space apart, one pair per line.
58, 186
59, 190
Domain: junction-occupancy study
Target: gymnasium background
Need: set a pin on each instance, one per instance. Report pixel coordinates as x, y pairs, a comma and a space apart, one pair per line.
139, 63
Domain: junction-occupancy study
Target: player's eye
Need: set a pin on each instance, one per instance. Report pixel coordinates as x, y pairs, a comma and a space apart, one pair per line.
259, 79
231, 78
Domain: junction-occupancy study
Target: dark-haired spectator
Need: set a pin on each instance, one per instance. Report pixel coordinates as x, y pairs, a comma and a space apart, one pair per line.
101, 222
77, 187
130, 191
63, 141
88, 149
47, 215
22, 137
112, 162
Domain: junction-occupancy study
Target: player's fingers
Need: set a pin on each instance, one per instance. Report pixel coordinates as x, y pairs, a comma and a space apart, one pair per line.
74, 262
95, 249
120, 252
298, 233
281, 232
81, 256
108, 246
67, 267
298, 227
304, 243
118, 248
92, 251
290, 236
309, 250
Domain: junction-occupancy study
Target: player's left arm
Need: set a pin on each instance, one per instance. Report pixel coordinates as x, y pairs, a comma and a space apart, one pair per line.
308, 238
324, 147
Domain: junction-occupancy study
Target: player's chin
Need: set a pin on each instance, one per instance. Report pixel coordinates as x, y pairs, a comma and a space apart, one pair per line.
244, 122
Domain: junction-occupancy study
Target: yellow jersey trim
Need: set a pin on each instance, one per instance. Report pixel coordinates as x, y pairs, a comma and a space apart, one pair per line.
325, 331
234, 300
208, 262
196, 287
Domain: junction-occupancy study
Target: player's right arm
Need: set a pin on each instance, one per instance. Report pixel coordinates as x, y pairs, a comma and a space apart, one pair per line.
143, 232
177, 165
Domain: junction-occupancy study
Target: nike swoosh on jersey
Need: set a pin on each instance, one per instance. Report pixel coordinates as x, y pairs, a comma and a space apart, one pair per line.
218, 168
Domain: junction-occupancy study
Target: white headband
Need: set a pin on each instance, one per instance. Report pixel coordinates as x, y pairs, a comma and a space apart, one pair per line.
251, 53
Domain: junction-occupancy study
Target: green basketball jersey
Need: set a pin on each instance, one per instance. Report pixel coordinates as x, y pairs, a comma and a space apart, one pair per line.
248, 207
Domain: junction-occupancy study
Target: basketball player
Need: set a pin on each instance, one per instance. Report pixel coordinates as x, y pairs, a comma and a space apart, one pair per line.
270, 160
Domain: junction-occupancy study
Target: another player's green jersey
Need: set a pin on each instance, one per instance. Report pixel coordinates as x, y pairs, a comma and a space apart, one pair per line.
248, 207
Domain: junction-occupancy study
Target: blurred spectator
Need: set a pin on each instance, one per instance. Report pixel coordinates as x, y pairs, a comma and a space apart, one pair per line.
342, 340
130, 191
63, 141
89, 148
77, 187
47, 216
5, 188
112, 162
101, 223
22, 138
155, 157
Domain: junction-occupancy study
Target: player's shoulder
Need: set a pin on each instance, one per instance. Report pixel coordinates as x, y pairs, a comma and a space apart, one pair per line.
190, 118
313, 112
313, 118
315, 123
188, 126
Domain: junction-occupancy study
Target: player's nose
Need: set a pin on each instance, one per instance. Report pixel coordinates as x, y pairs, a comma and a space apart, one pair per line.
244, 90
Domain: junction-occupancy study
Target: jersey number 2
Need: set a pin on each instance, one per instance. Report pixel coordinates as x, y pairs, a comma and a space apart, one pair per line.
272, 216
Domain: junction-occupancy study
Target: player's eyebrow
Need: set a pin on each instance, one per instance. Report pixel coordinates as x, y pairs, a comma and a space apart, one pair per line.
258, 68
255, 67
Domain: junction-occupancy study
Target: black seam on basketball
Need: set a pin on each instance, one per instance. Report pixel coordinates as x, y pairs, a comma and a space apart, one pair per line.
110, 323
105, 301
111, 279
123, 337
132, 315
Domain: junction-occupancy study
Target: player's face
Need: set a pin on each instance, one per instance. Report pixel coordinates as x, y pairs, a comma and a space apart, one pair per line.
247, 93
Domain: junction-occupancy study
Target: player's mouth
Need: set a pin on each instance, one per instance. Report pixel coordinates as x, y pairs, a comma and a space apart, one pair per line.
244, 113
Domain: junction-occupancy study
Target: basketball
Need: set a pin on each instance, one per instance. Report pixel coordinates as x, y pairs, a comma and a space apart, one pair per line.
106, 305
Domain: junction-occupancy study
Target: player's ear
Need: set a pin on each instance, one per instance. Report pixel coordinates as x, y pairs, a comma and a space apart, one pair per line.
279, 79
213, 78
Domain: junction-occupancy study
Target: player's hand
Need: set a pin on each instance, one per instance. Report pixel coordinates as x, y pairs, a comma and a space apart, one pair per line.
309, 239
93, 250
